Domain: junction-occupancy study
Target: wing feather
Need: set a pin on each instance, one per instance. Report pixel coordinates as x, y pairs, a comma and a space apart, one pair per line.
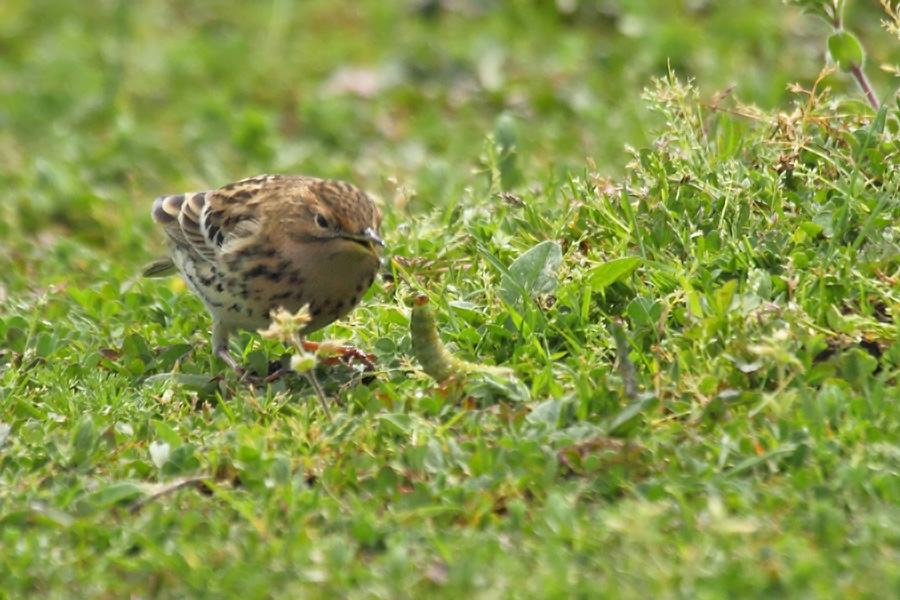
205, 222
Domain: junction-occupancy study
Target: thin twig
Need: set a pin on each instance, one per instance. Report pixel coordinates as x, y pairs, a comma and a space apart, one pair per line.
165, 489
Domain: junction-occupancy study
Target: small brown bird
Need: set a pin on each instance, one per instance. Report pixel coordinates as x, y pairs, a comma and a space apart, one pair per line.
271, 241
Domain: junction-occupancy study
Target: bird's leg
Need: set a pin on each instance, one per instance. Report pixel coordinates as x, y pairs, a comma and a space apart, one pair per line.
244, 374
220, 348
347, 354
222, 352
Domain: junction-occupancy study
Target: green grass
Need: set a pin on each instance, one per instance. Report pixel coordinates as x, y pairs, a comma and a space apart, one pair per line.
749, 256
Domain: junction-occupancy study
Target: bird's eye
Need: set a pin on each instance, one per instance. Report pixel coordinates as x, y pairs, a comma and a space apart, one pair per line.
321, 221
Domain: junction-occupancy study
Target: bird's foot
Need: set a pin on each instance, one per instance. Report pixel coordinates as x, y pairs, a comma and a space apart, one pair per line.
276, 371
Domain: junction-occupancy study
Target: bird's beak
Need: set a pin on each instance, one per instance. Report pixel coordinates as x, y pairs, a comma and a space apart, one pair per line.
370, 239
373, 237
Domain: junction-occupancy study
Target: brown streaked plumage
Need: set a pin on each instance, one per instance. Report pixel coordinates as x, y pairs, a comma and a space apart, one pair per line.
271, 241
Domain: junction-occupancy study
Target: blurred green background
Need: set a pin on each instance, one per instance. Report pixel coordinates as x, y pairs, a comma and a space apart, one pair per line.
104, 105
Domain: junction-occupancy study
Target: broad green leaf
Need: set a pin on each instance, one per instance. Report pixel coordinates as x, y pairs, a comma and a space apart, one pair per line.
533, 273
546, 412
83, 437
610, 272
846, 50
434, 457
644, 312
694, 304
134, 346
16, 338
167, 434
111, 495
188, 380
721, 298
400, 422
170, 355
825, 220
810, 228
631, 412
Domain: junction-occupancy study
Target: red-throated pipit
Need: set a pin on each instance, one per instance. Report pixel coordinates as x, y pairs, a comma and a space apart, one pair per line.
271, 241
